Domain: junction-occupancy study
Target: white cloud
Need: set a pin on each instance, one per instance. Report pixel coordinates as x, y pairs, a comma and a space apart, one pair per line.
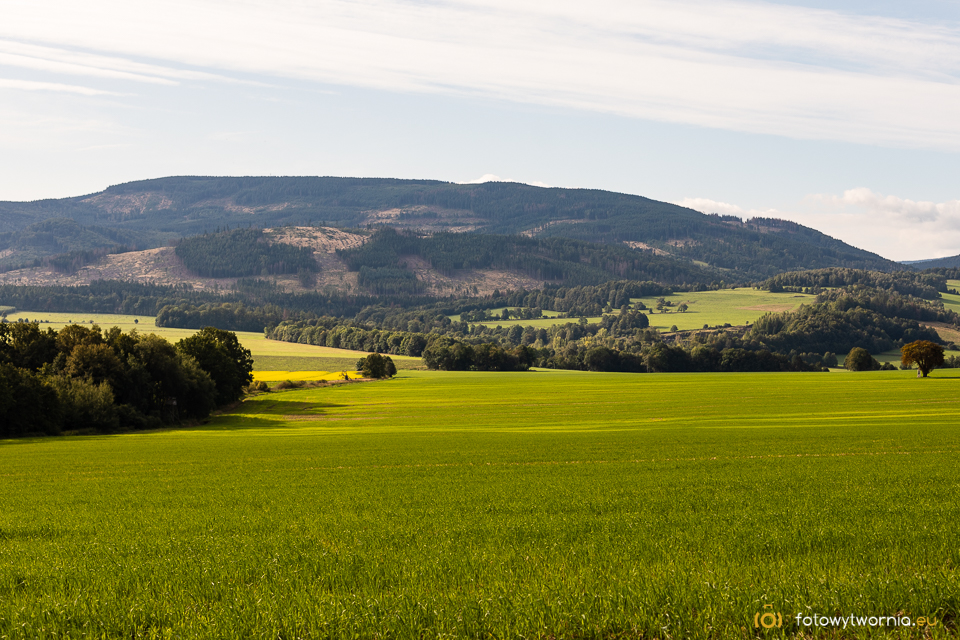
894, 210
705, 205
756, 67
894, 227
489, 177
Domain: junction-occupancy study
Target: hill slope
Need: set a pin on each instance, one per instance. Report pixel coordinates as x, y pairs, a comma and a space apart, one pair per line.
951, 262
151, 211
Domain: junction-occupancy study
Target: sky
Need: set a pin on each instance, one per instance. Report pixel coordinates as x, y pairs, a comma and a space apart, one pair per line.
843, 116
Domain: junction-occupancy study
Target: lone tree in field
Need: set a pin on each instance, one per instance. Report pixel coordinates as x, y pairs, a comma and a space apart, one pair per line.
925, 354
376, 366
859, 359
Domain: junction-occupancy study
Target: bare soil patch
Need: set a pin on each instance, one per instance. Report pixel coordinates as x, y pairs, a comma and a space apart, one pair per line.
643, 246
426, 218
320, 239
153, 266
468, 281
137, 203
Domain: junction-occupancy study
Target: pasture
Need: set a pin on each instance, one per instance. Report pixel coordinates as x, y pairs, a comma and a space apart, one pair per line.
713, 308
951, 300
535, 505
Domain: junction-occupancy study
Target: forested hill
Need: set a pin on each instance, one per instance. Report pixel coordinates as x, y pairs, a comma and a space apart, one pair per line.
951, 262
156, 210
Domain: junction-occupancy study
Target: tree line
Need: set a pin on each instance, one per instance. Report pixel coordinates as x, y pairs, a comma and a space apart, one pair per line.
839, 320
925, 285
82, 379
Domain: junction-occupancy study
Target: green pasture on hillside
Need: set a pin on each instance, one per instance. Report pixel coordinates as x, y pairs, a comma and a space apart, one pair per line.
523, 505
713, 308
268, 355
951, 300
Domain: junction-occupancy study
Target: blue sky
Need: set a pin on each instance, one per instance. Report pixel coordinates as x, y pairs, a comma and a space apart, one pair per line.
839, 115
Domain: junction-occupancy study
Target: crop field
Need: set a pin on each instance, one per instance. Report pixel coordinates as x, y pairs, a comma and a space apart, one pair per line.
305, 376
523, 505
268, 355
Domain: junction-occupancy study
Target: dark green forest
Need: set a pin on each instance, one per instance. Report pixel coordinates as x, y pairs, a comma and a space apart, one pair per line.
242, 252
571, 262
64, 244
927, 285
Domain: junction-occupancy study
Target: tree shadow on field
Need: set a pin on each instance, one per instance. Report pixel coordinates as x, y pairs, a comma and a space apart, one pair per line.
267, 413
270, 413
42, 532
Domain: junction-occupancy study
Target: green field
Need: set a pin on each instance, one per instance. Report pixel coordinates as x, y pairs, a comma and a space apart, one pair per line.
527, 505
951, 300
268, 355
713, 308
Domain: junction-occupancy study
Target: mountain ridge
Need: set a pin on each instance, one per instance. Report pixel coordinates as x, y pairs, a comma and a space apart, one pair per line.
152, 213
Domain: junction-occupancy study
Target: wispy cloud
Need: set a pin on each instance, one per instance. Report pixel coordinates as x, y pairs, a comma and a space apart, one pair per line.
756, 67
31, 85
64, 61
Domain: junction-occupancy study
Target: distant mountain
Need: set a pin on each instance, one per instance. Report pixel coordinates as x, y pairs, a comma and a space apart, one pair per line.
150, 212
953, 262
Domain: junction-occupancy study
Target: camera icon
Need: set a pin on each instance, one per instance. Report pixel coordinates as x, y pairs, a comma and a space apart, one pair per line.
767, 619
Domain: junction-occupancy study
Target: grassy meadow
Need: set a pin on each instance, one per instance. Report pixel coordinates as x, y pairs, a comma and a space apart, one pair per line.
713, 308
951, 300
526, 505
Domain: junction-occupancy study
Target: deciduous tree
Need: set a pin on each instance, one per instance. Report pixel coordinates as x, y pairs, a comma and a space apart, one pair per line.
925, 354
